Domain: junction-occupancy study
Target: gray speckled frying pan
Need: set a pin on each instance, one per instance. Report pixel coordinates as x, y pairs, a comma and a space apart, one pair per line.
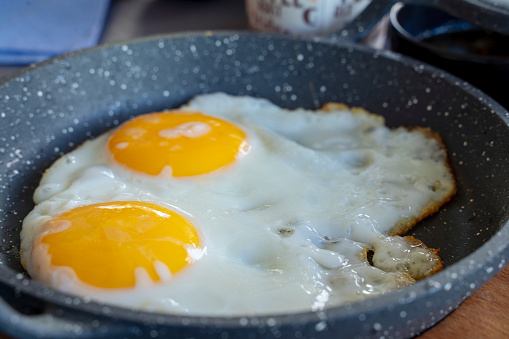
51, 108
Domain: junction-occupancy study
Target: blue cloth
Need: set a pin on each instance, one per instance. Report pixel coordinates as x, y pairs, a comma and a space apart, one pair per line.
34, 30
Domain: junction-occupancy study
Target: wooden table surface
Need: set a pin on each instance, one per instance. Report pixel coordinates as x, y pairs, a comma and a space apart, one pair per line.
485, 314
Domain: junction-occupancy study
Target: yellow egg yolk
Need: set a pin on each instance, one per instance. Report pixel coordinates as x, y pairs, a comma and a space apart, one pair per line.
182, 143
105, 243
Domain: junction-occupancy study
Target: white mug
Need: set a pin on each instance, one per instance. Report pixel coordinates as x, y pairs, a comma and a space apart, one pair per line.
302, 17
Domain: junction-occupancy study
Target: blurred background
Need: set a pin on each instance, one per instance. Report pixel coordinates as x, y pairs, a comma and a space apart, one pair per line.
34, 30
27, 28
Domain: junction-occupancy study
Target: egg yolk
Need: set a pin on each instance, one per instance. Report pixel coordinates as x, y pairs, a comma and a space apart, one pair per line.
104, 243
186, 143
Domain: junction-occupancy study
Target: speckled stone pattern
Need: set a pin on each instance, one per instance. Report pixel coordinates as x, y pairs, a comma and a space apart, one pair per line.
52, 108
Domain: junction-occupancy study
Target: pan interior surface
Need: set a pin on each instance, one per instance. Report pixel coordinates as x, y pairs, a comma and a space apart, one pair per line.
54, 107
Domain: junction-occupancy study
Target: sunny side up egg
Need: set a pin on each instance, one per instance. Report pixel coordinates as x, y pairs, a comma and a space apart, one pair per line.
234, 206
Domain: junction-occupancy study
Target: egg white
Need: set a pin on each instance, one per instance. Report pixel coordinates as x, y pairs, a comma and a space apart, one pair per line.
284, 228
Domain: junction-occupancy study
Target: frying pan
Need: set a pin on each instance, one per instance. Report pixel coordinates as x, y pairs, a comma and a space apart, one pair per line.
51, 108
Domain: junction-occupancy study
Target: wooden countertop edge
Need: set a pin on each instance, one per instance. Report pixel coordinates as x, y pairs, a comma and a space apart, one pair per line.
485, 314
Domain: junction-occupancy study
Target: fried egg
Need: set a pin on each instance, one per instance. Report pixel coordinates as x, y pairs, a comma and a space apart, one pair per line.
235, 206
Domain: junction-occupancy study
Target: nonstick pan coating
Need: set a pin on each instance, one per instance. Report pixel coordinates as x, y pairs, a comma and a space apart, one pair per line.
55, 106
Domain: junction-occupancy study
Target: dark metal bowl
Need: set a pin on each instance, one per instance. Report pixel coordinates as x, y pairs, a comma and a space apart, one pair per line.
464, 49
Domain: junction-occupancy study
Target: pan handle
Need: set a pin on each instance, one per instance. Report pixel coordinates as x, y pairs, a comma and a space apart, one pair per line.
45, 325
473, 11
50, 321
